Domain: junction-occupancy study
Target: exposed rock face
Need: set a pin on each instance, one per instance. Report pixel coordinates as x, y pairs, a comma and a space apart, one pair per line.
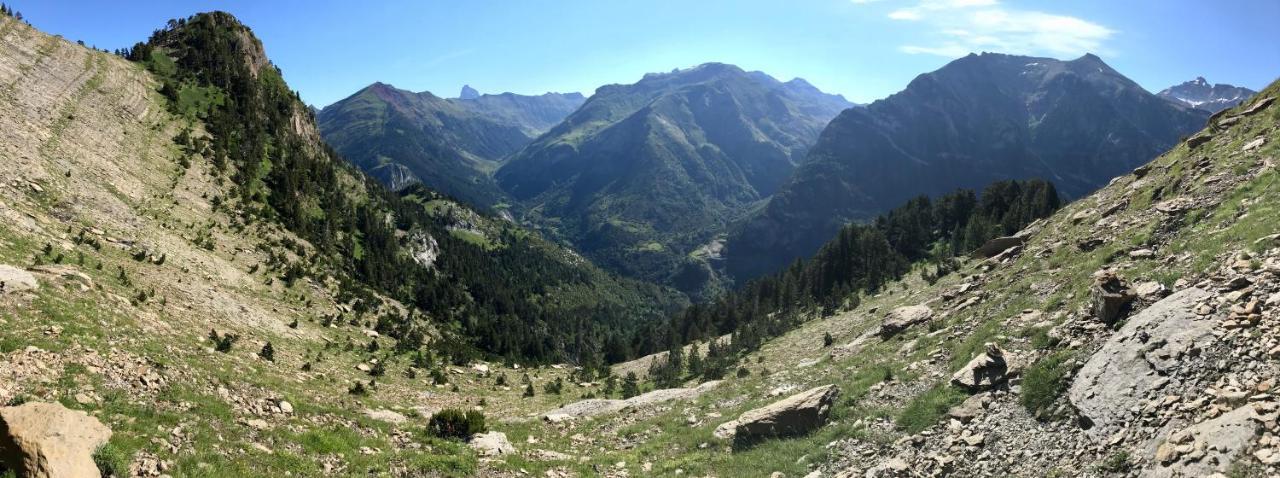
599, 406
1111, 297
902, 317
1206, 448
1139, 358
492, 444
13, 279
795, 415
983, 372
998, 245
46, 440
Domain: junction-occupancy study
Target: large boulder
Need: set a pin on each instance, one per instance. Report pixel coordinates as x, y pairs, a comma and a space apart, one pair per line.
492, 444
13, 279
997, 245
984, 372
795, 415
901, 318
47, 440
1139, 359
1111, 297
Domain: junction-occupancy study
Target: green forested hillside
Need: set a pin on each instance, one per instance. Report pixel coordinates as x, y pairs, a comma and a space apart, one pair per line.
642, 175
512, 295
979, 119
451, 145
924, 233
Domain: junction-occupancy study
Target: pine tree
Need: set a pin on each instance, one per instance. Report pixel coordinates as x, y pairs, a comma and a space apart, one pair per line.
268, 353
630, 385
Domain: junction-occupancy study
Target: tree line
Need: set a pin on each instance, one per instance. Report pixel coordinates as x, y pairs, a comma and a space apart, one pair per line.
860, 259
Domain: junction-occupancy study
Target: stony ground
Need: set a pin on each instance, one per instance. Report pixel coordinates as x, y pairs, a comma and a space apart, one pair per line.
132, 261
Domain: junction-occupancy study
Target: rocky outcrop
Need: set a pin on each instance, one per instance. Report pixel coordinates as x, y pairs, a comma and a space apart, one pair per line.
600, 406
1140, 359
901, 318
46, 440
13, 279
1205, 448
998, 245
491, 444
795, 415
1111, 297
984, 372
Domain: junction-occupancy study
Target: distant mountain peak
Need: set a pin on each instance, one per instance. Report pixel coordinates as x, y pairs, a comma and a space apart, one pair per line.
469, 93
1202, 95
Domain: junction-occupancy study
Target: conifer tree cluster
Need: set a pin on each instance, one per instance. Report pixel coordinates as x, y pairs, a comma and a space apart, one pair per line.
860, 259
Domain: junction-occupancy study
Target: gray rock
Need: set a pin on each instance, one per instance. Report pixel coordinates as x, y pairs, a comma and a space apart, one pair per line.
795, 415
1221, 440
47, 440
984, 372
599, 406
997, 245
901, 318
13, 279
491, 444
1110, 297
1130, 365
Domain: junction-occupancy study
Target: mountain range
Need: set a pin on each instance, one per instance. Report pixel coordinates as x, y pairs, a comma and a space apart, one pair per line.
1200, 94
979, 119
193, 283
643, 174
451, 145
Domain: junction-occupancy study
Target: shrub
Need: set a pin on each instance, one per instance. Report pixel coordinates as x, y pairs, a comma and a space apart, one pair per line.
358, 389
528, 390
1045, 381
554, 387
224, 342
454, 423
827, 339
268, 352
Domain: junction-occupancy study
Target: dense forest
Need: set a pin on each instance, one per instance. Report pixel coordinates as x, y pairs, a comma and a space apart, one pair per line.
261, 138
860, 259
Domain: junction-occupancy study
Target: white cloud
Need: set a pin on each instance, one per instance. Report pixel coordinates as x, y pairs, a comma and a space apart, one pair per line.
905, 14
964, 26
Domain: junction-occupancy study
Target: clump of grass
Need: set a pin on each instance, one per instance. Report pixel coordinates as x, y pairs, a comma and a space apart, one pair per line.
1045, 381
1118, 462
111, 460
926, 409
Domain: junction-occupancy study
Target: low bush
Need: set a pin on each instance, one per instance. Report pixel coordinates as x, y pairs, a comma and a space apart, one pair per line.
457, 424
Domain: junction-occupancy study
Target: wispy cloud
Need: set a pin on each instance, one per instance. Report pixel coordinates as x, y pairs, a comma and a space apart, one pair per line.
447, 57
959, 27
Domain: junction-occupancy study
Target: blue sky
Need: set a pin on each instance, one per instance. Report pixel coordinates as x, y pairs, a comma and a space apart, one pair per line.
863, 49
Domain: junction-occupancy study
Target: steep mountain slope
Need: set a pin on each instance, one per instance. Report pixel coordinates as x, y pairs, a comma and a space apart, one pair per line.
146, 203
642, 174
451, 145
1133, 333
976, 120
1199, 94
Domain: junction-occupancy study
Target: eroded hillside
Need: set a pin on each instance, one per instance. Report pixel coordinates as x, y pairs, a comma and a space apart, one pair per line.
214, 341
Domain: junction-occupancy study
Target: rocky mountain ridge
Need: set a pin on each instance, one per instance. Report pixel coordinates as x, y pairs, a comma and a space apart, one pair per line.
643, 174
448, 144
979, 119
1200, 94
